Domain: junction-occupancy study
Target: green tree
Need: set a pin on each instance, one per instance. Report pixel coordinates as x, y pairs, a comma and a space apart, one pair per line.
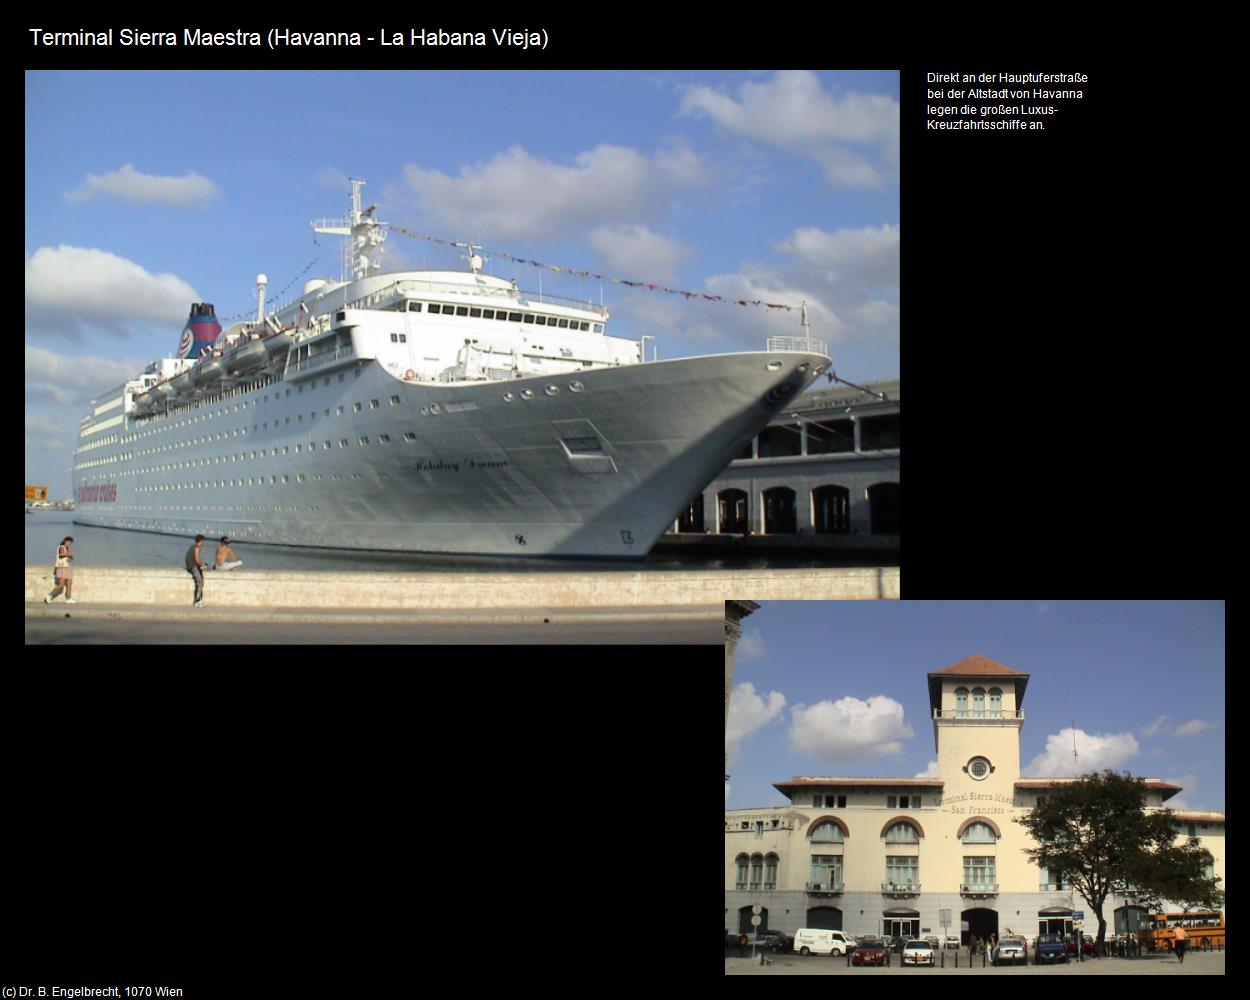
1096, 832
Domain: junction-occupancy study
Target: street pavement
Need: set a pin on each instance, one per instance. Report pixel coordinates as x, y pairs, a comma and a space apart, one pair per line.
1195, 964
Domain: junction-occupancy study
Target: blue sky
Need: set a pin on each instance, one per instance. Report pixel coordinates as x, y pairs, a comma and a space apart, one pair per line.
147, 190
1147, 683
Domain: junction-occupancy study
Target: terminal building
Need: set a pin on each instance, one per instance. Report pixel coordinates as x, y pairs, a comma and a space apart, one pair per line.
823, 474
888, 855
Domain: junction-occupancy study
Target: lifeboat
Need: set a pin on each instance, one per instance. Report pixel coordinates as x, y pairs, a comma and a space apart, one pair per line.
276, 344
181, 384
206, 371
246, 355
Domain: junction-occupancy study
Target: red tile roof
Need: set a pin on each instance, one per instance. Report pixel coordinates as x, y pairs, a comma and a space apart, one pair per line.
978, 666
1159, 786
879, 782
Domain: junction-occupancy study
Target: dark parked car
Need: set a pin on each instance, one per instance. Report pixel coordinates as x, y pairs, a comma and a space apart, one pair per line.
1051, 948
775, 941
1087, 945
871, 951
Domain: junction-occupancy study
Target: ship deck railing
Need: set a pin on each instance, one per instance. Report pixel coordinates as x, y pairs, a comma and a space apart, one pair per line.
405, 287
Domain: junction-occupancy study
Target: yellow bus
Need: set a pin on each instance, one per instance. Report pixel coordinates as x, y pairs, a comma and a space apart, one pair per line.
1200, 926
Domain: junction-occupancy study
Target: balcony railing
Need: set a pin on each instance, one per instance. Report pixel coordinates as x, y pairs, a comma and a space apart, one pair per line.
968, 715
900, 888
824, 886
978, 888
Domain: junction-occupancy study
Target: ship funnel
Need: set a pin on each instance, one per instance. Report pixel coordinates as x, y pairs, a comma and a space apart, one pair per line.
200, 332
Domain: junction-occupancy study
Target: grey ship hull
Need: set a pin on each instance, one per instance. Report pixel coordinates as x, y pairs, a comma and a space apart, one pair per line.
595, 473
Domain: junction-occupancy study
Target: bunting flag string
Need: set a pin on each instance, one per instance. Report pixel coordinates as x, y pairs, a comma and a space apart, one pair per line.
578, 273
277, 296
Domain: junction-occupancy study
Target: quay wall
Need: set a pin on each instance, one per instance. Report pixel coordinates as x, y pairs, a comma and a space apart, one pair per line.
304, 589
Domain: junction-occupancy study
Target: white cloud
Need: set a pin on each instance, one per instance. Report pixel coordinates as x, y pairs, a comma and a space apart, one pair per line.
929, 772
71, 289
848, 729
73, 379
749, 712
127, 184
750, 646
1193, 727
849, 279
793, 112
1183, 799
1152, 729
726, 791
1095, 752
631, 249
518, 195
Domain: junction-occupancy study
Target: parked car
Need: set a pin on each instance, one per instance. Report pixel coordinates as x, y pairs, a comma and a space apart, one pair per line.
918, 952
774, 941
817, 941
1087, 945
934, 940
952, 941
1011, 951
1051, 948
871, 951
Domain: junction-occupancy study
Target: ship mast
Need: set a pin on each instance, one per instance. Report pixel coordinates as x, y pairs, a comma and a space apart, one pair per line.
362, 255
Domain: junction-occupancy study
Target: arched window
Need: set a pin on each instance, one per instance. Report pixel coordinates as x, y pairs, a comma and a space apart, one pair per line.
770, 871
961, 703
741, 881
883, 508
832, 510
996, 703
978, 703
902, 833
780, 516
731, 506
827, 833
979, 833
757, 866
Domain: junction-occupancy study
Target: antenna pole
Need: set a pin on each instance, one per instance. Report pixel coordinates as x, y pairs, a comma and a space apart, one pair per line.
1076, 771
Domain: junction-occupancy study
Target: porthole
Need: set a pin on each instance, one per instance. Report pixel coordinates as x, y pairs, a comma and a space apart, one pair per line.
979, 768
576, 386
527, 393
425, 411
804, 366
551, 390
435, 409
773, 366
508, 397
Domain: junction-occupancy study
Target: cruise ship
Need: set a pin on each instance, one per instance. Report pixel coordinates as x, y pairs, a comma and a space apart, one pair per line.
423, 411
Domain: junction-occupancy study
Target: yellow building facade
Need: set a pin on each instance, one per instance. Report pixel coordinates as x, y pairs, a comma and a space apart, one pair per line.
919, 856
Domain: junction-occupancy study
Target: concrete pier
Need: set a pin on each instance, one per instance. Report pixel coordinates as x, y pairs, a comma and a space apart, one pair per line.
269, 589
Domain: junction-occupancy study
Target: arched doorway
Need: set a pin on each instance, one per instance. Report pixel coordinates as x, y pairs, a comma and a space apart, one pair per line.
981, 924
732, 511
832, 510
744, 920
828, 918
690, 520
1055, 920
779, 511
901, 923
883, 508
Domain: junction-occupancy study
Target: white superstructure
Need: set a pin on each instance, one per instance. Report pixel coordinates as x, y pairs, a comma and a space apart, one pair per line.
422, 411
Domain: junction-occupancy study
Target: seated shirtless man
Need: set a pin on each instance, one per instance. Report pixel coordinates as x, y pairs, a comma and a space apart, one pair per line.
226, 559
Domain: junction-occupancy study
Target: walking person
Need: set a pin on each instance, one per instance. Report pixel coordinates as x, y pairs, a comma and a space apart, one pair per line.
63, 572
1179, 942
742, 946
195, 566
993, 938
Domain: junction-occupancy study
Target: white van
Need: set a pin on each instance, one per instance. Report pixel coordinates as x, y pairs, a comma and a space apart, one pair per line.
814, 941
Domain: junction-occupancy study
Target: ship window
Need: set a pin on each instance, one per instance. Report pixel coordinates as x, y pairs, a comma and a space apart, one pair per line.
540, 320
598, 328
340, 376
501, 315
394, 401
326, 382
488, 314
384, 439
563, 324
342, 442
514, 317
414, 307
394, 338
462, 310
299, 477
364, 440
339, 411
355, 407
435, 308
528, 318
409, 436
583, 326
327, 412
298, 449
325, 444
403, 338
475, 312
374, 404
